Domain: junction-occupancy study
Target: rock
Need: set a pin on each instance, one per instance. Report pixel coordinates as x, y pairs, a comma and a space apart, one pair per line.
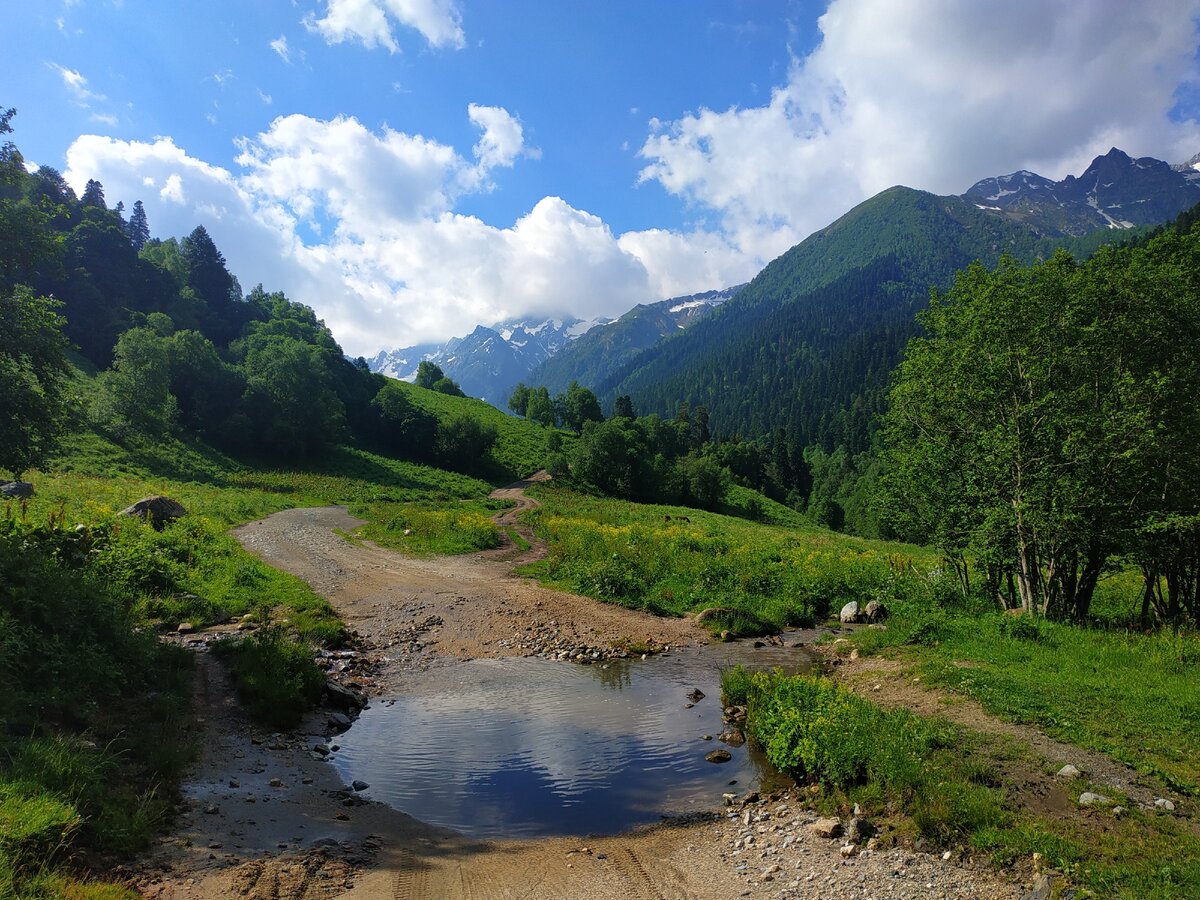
848, 850
1043, 888
185, 628
1164, 804
728, 798
858, 829
734, 737
359, 785
1068, 771
158, 509
340, 721
408, 532
695, 695
876, 611
16, 490
1088, 798
826, 828
321, 749
850, 613
718, 756
344, 697
275, 782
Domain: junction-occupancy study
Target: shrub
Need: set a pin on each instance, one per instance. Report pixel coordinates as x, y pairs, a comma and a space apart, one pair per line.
276, 677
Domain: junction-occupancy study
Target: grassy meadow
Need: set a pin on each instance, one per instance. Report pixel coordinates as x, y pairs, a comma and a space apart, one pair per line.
764, 575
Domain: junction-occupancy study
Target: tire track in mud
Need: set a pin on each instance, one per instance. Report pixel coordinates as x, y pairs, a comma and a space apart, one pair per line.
634, 872
411, 881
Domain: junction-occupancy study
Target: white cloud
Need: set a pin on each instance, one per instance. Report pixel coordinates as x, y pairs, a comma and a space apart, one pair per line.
370, 22
393, 262
266, 98
77, 85
104, 119
280, 46
934, 94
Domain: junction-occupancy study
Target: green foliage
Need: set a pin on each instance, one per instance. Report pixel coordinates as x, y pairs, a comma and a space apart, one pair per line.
763, 575
33, 377
463, 442
431, 377
465, 528
276, 677
818, 731
135, 394
1041, 426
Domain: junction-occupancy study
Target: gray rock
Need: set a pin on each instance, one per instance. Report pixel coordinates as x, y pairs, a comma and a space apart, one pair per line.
16, 490
1068, 771
718, 756
850, 613
876, 611
1088, 798
1043, 888
1164, 804
826, 828
734, 737
695, 695
340, 721
359, 785
185, 628
344, 697
159, 510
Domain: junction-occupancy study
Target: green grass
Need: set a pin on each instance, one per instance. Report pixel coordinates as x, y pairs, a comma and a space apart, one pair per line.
931, 779
276, 678
466, 527
522, 447
766, 576
1134, 696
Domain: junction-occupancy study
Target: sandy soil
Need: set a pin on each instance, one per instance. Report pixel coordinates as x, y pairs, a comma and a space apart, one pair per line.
267, 817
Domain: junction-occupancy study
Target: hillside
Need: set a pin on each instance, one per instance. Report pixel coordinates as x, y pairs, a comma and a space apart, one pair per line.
809, 344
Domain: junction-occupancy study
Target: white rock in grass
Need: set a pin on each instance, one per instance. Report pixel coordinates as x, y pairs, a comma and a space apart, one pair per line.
1087, 798
1068, 771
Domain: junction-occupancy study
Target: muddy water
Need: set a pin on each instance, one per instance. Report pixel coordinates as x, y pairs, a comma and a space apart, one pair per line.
525, 747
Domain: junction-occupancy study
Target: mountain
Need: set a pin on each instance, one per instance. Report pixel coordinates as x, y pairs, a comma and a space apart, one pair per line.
590, 358
1116, 191
488, 362
809, 345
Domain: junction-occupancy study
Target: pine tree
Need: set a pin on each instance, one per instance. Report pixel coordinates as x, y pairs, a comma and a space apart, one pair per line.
93, 194
138, 228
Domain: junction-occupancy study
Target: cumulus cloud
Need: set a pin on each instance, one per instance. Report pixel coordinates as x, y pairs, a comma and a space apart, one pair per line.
934, 94
361, 225
370, 22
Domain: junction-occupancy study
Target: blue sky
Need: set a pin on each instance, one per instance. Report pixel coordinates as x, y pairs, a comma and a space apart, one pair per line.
413, 167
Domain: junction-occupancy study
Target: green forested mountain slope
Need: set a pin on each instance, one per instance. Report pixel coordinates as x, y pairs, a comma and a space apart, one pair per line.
809, 345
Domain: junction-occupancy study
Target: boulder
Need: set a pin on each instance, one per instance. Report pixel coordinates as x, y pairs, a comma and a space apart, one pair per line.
1088, 798
876, 611
718, 756
1164, 804
1068, 771
359, 785
826, 828
344, 697
160, 510
734, 737
850, 613
339, 721
16, 490
695, 695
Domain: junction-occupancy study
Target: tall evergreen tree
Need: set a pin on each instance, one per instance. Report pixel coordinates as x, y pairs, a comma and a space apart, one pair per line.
93, 194
138, 227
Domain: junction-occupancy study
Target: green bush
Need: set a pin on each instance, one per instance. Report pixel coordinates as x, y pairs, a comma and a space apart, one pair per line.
276, 677
818, 731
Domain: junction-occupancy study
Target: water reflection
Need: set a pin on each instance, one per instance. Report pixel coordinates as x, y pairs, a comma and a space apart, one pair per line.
527, 747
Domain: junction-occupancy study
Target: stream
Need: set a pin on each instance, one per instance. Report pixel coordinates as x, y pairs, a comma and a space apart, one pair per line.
528, 747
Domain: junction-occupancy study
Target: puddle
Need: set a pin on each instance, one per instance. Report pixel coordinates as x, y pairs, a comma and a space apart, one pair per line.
527, 747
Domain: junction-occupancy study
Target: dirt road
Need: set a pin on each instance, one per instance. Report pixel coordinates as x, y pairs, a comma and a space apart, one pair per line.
267, 817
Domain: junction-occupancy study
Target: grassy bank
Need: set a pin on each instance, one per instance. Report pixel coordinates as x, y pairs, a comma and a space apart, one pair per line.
926, 779
95, 710
1134, 696
765, 575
